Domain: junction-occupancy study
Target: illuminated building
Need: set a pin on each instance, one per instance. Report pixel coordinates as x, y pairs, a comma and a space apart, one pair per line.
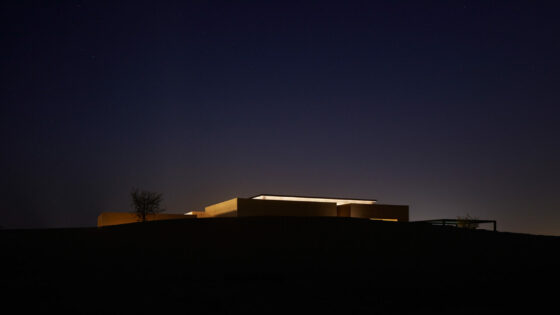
278, 205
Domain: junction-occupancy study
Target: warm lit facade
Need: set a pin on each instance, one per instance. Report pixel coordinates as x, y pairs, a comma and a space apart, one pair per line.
277, 205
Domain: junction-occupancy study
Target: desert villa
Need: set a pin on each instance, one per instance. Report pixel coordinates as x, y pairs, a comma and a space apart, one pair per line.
278, 205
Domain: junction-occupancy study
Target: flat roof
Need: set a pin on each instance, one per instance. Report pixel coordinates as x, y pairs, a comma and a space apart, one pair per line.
338, 201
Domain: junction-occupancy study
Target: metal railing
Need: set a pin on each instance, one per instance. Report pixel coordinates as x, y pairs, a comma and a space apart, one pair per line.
458, 222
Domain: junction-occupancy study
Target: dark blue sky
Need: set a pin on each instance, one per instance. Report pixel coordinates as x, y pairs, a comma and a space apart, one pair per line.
450, 107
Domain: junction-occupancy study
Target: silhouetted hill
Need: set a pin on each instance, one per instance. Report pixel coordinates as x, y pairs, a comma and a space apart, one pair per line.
277, 264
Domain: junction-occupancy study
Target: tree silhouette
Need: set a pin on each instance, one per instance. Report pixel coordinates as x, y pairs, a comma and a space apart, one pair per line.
466, 222
145, 203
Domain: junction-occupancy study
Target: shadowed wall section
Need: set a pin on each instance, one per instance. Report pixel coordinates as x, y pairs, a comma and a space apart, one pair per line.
375, 211
244, 207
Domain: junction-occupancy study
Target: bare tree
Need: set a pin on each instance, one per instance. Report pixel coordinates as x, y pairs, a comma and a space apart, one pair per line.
466, 222
145, 203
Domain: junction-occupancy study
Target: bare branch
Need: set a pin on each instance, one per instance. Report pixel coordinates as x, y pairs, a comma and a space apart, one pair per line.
146, 203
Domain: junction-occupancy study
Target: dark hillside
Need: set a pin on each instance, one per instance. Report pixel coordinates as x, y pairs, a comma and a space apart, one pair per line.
283, 264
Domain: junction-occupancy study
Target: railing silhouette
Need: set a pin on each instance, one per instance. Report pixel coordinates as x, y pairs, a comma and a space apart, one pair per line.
457, 222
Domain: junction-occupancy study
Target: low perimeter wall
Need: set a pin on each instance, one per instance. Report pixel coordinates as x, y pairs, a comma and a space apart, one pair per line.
116, 218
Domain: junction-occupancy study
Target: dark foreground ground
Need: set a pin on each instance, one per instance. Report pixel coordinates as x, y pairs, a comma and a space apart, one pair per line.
278, 265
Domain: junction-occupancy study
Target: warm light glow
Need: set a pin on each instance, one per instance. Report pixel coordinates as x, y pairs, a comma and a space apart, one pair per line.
391, 220
189, 213
313, 199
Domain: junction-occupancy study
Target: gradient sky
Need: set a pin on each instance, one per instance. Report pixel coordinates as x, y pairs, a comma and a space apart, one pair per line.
450, 107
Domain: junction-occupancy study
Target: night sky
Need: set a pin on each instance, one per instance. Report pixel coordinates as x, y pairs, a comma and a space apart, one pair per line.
451, 107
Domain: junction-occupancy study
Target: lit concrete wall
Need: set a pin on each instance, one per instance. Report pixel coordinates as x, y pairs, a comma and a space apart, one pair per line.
116, 218
375, 211
226, 208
